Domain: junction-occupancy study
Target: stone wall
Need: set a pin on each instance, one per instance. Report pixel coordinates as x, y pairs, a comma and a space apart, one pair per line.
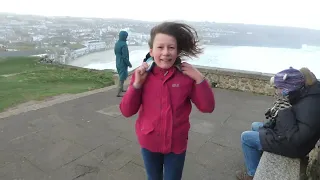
313, 169
248, 81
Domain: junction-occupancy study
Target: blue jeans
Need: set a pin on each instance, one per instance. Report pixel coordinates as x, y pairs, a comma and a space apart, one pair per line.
251, 147
154, 163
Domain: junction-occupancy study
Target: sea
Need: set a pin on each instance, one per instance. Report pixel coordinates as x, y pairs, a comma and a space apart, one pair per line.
259, 59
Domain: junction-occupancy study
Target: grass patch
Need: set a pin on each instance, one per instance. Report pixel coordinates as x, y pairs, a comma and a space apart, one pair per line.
14, 65
31, 80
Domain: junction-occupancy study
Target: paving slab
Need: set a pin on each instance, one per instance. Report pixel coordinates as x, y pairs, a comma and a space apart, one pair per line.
87, 138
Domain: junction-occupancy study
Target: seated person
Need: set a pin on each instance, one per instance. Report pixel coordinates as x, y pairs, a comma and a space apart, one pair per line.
296, 128
282, 102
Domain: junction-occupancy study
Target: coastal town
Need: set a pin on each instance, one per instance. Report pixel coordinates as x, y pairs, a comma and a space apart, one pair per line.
65, 39
62, 39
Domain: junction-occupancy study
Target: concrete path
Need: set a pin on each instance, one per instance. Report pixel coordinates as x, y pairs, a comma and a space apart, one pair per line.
88, 139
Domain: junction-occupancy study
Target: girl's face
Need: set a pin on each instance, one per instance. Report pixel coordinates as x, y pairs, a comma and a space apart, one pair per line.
164, 51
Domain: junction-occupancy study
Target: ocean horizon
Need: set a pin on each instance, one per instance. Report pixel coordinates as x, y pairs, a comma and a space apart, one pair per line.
259, 59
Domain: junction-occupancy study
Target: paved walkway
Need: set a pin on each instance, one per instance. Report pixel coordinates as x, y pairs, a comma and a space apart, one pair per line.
88, 139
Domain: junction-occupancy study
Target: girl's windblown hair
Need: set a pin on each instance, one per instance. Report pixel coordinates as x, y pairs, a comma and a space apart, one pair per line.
186, 37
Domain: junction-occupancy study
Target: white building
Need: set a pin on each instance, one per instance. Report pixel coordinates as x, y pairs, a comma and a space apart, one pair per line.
95, 45
80, 52
37, 37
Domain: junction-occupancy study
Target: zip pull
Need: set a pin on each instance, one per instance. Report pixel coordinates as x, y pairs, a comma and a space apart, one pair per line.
166, 73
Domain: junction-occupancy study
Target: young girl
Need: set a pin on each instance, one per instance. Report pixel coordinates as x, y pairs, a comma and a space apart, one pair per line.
163, 98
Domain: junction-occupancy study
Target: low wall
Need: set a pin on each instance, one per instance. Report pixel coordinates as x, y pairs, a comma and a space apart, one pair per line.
248, 81
313, 169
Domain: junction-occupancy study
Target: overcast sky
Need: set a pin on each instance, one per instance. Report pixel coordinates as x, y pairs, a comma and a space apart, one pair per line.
296, 13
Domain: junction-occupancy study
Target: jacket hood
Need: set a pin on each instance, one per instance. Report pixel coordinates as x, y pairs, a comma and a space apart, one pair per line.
309, 76
304, 92
123, 35
314, 89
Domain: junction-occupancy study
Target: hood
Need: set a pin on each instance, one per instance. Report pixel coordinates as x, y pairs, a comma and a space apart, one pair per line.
313, 89
309, 76
123, 35
304, 92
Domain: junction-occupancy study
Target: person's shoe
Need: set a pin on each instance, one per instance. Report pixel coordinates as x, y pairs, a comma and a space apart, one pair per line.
119, 95
124, 90
242, 175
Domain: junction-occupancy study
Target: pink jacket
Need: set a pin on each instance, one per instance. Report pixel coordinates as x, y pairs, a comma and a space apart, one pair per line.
164, 105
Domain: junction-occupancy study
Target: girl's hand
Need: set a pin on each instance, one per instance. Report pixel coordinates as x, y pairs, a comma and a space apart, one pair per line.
140, 75
192, 72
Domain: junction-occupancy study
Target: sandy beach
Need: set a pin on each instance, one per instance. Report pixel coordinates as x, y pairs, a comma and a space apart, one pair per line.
95, 58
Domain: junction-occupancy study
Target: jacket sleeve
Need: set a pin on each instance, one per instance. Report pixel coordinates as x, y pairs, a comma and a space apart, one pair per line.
125, 55
299, 129
202, 96
307, 125
131, 101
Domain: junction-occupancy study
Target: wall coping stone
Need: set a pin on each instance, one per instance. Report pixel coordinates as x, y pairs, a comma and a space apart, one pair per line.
236, 73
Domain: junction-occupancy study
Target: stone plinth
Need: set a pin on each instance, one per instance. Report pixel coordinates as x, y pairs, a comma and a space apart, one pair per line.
313, 170
276, 167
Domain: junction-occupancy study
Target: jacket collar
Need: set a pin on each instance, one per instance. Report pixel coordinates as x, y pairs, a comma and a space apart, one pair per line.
303, 92
157, 71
